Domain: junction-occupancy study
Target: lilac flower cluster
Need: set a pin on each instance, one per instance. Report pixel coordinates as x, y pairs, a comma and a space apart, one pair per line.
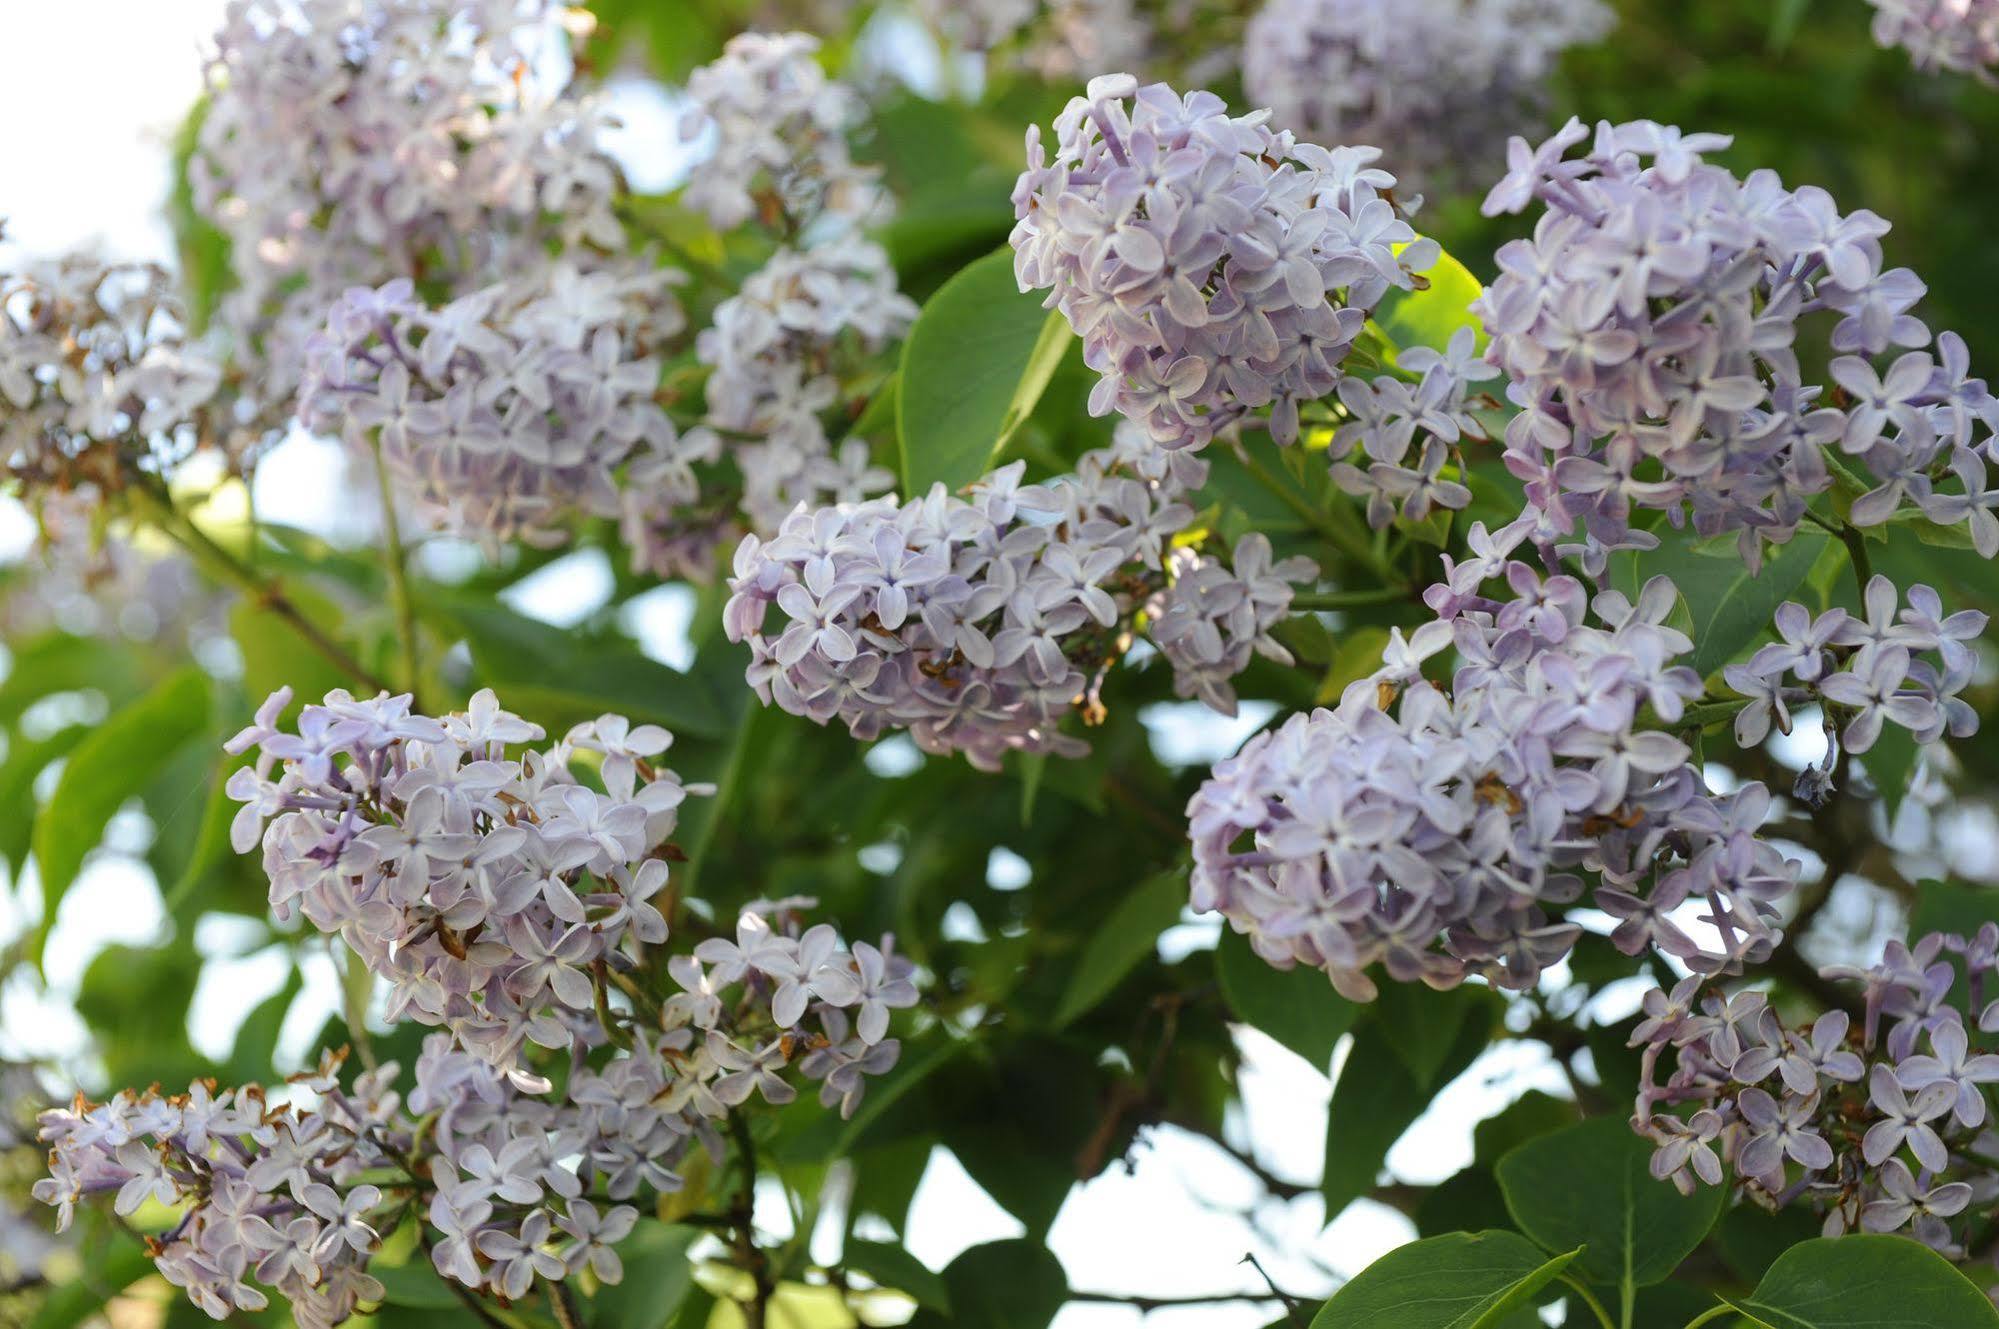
492, 892
354, 141
1438, 830
978, 625
1211, 265
26, 1244
1438, 84
512, 407
97, 375
774, 348
780, 129
1386, 415
1879, 1129
1959, 35
1651, 332
1879, 667
297, 1197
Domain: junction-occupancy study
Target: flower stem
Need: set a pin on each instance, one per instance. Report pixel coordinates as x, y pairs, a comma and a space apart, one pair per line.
1377, 595
396, 560
1856, 547
1346, 541
1711, 1313
157, 507
1589, 1299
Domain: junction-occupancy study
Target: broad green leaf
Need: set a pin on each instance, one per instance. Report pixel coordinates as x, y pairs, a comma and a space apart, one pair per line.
893, 1267
1358, 655
1946, 906
256, 1045
212, 848
58, 662
1122, 942
1528, 1117
1015, 1284
274, 656
1866, 1282
1422, 1025
105, 769
657, 1279
26, 759
974, 364
1463, 1280
1297, 1006
415, 1284
1891, 765
1430, 317
1750, 1238
1592, 1183
1375, 1100
135, 1001
1730, 609
80, 1299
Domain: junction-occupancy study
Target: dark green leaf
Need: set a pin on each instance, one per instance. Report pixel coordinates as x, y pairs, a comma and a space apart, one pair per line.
105, 769
893, 1267
1591, 1184
975, 363
1750, 1238
1001, 1285
1422, 1024
1297, 1006
1122, 942
416, 1285
1374, 1100
1462, 1280
1730, 609
26, 759
657, 1279
1867, 1282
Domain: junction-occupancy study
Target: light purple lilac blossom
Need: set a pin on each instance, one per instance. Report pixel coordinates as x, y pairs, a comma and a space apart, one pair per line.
1887, 665
1439, 831
1388, 417
1881, 1126
512, 1186
979, 625
780, 129
1211, 265
97, 375
1652, 331
1958, 35
776, 348
510, 411
1436, 84
350, 142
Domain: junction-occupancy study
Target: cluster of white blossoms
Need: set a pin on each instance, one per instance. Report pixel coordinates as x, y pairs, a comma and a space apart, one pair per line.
1211, 265
1438, 830
782, 347
979, 625
511, 408
1436, 84
351, 142
774, 348
780, 130
97, 376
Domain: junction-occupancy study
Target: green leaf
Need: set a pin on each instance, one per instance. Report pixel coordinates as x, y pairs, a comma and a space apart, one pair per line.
255, 1050
26, 759
1946, 906
975, 363
416, 1285
58, 662
105, 769
1122, 942
1374, 1101
274, 656
1014, 1284
658, 1277
1297, 1006
1891, 765
105, 1275
135, 1001
1462, 1280
1592, 1183
893, 1267
1430, 317
1730, 609
1422, 1025
1866, 1282
212, 848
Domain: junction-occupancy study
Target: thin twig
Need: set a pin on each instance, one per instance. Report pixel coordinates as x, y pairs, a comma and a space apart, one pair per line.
225, 567
756, 1311
1158, 1303
396, 559
1291, 1303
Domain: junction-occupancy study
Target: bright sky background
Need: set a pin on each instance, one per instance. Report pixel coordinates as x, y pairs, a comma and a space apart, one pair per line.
84, 159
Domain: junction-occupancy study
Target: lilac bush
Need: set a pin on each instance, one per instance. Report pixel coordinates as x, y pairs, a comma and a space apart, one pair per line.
1957, 35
